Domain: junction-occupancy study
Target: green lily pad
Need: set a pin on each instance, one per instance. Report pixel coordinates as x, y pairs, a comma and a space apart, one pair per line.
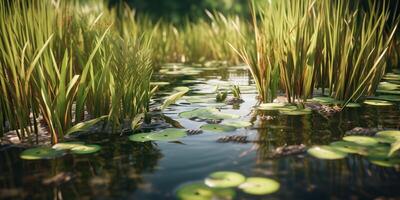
389, 133
199, 99
395, 98
305, 111
86, 149
140, 137
224, 179
388, 86
207, 113
238, 124
388, 91
349, 147
362, 140
374, 102
167, 134
259, 186
353, 105
200, 191
217, 128
38, 153
326, 152
325, 100
391, 162
67, 145
380, 152
271, 106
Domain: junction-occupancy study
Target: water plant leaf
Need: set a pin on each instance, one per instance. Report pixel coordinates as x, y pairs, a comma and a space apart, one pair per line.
167, 134
394, 147
159, 83
388, 86
389, 133
272, 106
305, 111
349, 147
83, 126
224, 179
173, 98
389, 162
353, 105
362, 140
395, 98
374, 102
326, 152
259, 186
238, 124
200, 191
136, 121
325, 100
207, 113
66, 145
140, 137
379, 152
86, 149
38, 153
217, 128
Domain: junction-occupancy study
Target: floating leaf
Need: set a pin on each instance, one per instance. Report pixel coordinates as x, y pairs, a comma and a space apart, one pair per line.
374, 102
173, 98
388, 97
305, 111
224, 179
349, 147
140, 137
207, 113
66, 145
217, 128
389, 133
86, 149
273, 106
326, 152
167, 134
326, 100
353, 105
362, 140
159, 83
259, 186
388, 86
200, 191
379, 152
238, 124
394, 147
41, 153
389, 162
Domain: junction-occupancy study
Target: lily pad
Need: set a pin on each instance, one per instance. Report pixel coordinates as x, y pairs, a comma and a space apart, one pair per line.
362, 140
395, 98
238, 124
167, 134
390, 162
259, 186
389, 133
140, 137
86, 149
326, 152
224, 179
207, 113
349, 147
271, 106
374, 102
388, 86
388, 91
217, 128
353, 105
200, 191
67, 145
38, 153
380, 152
305, 111
325, 100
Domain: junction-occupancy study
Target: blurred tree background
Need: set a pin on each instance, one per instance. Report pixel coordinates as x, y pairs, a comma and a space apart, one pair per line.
178, 10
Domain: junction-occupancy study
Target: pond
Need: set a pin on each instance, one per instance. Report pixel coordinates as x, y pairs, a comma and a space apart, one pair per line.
124, 169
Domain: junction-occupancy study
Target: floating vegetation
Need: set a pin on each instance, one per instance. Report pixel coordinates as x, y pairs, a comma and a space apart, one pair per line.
168, 134
217, 128
207, 113
353, 105
326, 152
362, 140
200, 191
373, 102
305, 111
275, 106
77, 147
174, 97
224, 179
395, 98
349, 147
325, 100
238, 124
259, 186
39, 153
159, 83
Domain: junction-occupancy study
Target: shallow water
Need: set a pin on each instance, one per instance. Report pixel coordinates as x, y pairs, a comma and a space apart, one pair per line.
129, 170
